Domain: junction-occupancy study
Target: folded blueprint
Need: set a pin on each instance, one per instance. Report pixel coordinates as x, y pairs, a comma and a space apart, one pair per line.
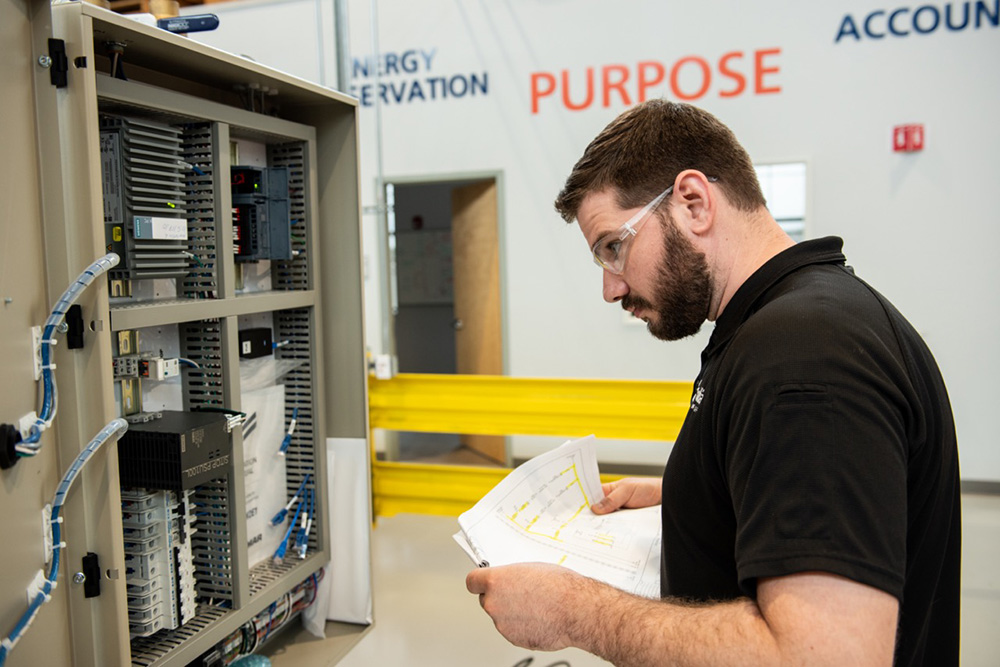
541, 512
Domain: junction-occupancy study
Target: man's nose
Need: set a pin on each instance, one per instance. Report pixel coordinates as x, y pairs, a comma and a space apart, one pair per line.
614, 287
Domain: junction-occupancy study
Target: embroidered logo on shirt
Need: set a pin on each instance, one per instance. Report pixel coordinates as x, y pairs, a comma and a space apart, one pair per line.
699, 395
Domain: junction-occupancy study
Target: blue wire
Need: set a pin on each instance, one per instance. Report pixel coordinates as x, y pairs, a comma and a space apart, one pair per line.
279, 554
301, 537
47, 394
112, 430
280, 516
55, 318
287, 440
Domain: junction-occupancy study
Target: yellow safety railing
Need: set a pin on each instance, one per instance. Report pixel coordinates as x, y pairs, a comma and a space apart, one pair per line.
501, 405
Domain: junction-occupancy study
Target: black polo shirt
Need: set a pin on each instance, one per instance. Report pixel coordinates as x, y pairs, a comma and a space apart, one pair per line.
819, 438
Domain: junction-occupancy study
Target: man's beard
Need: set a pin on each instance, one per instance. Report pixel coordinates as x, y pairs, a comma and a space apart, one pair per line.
683, 292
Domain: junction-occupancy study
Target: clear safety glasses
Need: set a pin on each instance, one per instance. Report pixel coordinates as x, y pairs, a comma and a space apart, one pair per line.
611, 250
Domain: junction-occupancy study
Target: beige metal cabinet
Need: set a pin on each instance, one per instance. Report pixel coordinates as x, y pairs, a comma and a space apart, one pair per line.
54, 226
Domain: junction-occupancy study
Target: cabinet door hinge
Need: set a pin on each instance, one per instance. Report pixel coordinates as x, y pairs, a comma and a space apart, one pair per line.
60, 64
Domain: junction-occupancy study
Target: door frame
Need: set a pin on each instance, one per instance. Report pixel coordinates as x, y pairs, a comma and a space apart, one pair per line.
462, 177
390, 443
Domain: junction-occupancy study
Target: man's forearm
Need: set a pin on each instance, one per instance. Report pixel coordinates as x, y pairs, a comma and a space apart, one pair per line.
809, 618
632, 631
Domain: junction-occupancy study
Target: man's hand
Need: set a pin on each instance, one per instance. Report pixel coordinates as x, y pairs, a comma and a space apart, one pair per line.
629, 493
811, 618
530, 604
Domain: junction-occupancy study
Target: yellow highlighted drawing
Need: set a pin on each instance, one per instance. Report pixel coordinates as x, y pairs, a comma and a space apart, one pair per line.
574, 481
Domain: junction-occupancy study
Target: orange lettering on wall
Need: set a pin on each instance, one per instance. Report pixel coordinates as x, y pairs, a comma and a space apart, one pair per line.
741, 81
647, 82
706, 78
537, 91
618, 84
588, 100
760, 71
691, 78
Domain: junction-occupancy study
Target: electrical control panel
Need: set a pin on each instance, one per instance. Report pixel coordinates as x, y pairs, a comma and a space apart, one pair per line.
142, 159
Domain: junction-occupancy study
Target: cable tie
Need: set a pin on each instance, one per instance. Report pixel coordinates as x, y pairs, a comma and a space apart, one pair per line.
62, 545
50, 341
48, 367
58, 519
7, 643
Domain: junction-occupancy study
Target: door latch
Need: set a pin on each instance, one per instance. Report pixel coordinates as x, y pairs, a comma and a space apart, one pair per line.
57, 63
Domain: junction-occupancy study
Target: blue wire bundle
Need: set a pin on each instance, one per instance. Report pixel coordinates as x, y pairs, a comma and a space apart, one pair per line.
303, 496
113, 430
30, 445
280, 516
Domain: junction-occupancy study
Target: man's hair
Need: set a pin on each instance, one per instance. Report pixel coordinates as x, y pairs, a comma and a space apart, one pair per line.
641, 152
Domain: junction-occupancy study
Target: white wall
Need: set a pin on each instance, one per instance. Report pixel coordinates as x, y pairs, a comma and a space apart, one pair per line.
921, 227
295, 36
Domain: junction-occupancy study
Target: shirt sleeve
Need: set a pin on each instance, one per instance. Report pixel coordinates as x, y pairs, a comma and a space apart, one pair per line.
814, 454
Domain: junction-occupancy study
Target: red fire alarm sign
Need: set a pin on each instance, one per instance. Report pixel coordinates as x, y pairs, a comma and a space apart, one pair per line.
908, 138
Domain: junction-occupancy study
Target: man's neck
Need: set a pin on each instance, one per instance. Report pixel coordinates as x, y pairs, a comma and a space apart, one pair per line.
749, 243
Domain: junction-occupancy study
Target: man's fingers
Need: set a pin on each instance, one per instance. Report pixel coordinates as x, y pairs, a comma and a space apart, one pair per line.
604, 506
614, 497
630, 492
475, 582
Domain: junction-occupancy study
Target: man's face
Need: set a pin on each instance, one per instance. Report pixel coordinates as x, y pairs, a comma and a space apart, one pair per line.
665, 280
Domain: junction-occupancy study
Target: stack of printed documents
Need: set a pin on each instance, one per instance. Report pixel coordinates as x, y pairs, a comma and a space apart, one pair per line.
541, 512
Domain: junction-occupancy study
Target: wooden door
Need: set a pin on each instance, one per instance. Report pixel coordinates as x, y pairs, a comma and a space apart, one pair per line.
476, 263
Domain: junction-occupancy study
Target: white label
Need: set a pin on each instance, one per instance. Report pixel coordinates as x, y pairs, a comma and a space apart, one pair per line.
170, 229
246, 347
161, 229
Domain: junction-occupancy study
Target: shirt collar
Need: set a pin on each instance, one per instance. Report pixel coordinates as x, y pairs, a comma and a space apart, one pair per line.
826, 250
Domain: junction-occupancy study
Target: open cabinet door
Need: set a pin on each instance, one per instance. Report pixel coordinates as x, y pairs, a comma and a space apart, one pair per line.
30, 122
478, 337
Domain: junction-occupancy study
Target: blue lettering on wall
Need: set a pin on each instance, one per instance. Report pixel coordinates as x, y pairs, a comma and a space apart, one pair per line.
922, 20
388, 64
408, 78
455, 86
892, 23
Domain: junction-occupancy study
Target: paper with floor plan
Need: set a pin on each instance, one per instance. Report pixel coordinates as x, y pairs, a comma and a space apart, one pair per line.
541, 512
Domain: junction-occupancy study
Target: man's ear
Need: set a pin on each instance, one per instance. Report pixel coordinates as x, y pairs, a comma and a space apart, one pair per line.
696, 202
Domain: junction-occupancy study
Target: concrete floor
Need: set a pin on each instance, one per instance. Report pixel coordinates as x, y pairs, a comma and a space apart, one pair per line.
424, 616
